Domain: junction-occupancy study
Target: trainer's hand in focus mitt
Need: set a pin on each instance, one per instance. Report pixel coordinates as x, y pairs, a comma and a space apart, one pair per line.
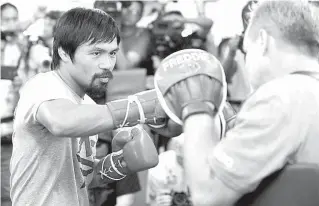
188, 82
132, 151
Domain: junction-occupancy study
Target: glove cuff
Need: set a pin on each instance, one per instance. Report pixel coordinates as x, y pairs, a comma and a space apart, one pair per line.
141, 108
198, 108
112, 168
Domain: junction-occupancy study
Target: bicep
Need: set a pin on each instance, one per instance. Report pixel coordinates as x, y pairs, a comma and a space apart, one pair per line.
50, 113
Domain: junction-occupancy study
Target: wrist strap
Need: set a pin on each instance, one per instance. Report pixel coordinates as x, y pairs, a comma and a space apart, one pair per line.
106, 171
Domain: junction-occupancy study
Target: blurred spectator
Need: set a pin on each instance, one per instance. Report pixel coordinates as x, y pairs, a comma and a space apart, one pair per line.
232, 57
10, 48
226, 53
39, 48
172, 32
11, 53
135, 45
135, 41
166, 182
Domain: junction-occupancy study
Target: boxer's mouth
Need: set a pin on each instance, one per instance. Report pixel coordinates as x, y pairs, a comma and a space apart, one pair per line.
104, 79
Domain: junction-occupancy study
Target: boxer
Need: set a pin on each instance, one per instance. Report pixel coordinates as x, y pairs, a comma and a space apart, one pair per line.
56, 123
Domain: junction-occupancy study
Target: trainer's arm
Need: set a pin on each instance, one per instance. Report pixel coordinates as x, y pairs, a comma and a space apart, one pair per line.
66, 119
263, 140
202, 134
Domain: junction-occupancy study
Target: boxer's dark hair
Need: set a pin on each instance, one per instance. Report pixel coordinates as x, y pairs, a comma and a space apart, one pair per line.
80, 25
292, 22
7, 5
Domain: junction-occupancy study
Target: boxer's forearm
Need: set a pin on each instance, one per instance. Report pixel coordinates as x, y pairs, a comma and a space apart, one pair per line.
202, 134
65, 119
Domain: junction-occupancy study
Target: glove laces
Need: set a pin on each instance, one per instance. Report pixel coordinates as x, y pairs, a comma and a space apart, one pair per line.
106, 171
133, 99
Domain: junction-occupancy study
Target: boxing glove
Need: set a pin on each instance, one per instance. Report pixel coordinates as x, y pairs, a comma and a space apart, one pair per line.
133, 151
190, 81
140, 108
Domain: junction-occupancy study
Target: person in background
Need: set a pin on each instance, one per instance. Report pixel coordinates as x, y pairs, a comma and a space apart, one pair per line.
11, 52
40, 44
135, 49
10, 34
166, 182
232, 59
185, 33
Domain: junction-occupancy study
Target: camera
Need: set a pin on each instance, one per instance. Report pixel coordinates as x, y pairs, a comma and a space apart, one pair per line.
112, 7
167, 37
181, 199
170, 34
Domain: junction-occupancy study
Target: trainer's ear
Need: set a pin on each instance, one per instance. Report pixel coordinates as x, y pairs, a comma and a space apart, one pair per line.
63, 55
263, 41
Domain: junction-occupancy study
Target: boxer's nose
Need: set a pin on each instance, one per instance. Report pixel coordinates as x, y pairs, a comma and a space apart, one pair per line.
107, 64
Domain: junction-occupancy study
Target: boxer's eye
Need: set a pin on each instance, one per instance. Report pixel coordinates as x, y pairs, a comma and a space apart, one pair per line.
96, 53
113, 53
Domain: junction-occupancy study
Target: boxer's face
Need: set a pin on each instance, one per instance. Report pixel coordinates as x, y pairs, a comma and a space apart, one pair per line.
93, 64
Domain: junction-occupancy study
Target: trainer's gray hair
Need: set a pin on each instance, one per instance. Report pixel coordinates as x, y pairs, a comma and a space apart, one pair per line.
293, 21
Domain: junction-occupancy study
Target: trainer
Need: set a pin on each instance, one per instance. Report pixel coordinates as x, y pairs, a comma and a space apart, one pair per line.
277, 124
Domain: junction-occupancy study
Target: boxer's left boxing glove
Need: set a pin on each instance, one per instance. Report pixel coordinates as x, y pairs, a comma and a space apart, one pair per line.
140, 153
133, 151
140, 108
189, 82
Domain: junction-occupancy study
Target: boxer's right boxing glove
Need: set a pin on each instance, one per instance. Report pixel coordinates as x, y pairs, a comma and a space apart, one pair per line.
140, 108
133, 151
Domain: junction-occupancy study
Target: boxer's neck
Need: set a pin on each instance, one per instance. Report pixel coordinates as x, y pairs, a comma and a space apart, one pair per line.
70, 82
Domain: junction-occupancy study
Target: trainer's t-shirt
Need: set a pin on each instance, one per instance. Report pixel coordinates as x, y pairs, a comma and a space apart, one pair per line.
48, 170
277, 125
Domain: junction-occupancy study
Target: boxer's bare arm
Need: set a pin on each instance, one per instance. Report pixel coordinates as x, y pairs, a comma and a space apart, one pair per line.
202, 134
66, 119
